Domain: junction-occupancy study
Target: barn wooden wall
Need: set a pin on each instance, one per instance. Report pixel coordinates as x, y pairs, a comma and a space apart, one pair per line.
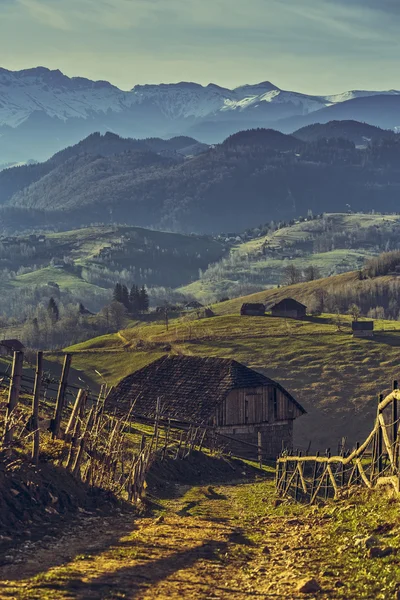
256, 405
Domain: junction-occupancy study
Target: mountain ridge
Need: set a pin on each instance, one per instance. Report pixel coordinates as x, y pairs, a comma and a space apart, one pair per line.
43, 110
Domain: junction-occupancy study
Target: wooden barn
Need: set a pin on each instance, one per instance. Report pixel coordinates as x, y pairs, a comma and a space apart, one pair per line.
8, 347
224, 393
253, 310
363, 328
289, 308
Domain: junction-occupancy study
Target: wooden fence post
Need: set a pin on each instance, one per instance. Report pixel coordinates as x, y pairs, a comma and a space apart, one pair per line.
315, 472
328, 455
260, 452
297, 478
358, 476
13, 396
380, 441
35, 407
179, 446
61, 396
395, 425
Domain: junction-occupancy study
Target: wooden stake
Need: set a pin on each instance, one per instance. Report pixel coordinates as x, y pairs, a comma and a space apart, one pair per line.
395, 425
35, 407
80, 400
379, 441
260, 455
61, 396
82, 443
315, 471
13, 396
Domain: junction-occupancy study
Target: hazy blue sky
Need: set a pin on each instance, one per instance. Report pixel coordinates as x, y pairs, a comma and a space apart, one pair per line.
316, 46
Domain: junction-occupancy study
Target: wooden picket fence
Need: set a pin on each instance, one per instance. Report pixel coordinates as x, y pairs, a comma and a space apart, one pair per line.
97, 447
374, 462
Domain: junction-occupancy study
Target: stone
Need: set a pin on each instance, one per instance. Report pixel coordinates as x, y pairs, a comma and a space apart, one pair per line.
294, 522
308, 586
378, 552
159, 520
339, 584
371, 541
362, 541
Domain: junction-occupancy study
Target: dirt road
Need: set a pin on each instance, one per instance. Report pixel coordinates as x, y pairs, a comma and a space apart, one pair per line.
212, 542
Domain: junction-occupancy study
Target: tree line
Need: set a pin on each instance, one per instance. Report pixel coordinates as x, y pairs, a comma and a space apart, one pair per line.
136, 301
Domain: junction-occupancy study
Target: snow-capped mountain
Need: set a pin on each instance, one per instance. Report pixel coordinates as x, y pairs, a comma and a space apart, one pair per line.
42, 111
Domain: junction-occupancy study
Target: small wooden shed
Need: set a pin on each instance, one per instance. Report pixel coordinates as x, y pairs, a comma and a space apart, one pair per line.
253, 310
219, 392
289, 308
363, 328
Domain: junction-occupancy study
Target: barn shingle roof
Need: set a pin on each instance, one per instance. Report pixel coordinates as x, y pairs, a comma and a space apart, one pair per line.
288, 304
190, 388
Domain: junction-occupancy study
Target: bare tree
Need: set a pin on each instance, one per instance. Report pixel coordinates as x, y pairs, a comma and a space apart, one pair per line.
355, 312
311, 273
291, 275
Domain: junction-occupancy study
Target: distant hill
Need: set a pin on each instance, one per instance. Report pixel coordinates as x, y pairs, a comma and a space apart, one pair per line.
12, 180
379, 110
331, 243
253, 176
360, 134
266, 138
85, 264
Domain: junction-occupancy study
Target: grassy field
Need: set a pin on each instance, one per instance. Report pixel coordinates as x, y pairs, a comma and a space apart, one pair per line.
65, 280
248, 265
300, 232
268, 272
335, 377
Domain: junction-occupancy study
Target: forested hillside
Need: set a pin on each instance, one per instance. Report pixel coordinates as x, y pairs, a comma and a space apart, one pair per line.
79, 270
251, 176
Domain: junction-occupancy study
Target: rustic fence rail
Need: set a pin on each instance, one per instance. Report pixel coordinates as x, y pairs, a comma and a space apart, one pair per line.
375, 461
96, 446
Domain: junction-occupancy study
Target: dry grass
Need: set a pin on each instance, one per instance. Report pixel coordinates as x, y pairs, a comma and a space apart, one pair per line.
335, 377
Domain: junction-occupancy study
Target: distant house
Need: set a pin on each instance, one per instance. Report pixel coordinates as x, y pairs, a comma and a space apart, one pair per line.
289, 308
253, 310
363, 328
8, 347
219, 392
193, 305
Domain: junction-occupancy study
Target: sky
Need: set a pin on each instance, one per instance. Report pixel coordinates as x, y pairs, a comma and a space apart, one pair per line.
312, 46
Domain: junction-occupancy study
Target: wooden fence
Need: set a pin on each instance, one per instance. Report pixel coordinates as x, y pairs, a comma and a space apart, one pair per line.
97, 447
375, 461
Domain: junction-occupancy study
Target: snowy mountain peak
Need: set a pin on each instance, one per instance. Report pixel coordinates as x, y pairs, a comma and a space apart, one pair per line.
43, 102
257, 89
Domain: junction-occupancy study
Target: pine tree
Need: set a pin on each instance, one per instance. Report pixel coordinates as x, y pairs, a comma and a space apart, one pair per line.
125, 297
53, 311
144, 300
134, 299
117, 294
